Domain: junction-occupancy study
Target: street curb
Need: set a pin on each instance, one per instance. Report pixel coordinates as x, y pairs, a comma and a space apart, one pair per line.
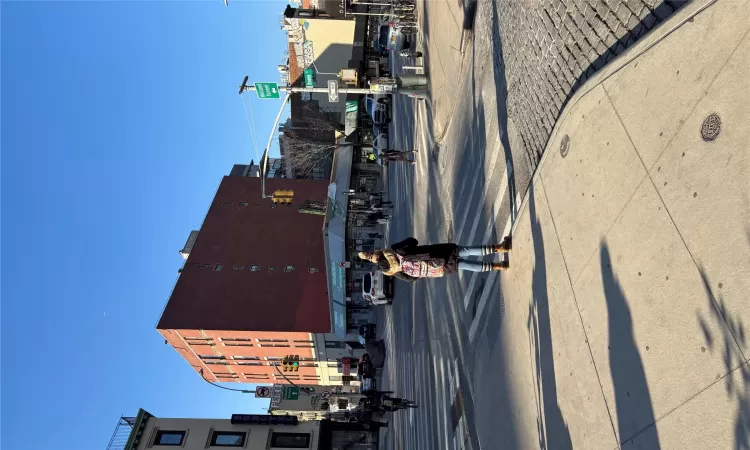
649, 40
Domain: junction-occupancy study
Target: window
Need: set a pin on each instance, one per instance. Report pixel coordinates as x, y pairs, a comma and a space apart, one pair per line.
218, 267
313, 270
226, 203
164, 437
202, 266
290, 440
228, 439
272, 340
236, 339
249, 363
210, 357
238, 267
303, 341
246, 357
237, 344
334, 344
273, 345
273, 358
254, 268
243, 203
289, 269
304, 345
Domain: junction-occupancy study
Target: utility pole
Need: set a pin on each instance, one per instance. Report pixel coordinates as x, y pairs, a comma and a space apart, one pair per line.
410, 84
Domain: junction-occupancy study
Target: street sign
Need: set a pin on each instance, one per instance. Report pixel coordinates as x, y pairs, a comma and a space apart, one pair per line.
262, 392
267, 90
309, 75
291, 393
333, 90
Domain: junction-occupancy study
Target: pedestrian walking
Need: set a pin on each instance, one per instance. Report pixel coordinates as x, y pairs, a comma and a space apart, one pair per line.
397, 156
409, 261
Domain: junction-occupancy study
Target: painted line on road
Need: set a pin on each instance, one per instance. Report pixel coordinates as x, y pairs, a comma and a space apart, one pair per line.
487, 288
490, 225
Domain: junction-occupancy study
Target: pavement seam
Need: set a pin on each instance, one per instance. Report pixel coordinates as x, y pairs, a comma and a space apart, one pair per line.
686, 401
664, 204
624, 59
578, 309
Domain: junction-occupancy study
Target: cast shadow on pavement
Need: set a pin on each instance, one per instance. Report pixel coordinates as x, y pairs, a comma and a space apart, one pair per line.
635, 412
501, 93
551, 426
732, 336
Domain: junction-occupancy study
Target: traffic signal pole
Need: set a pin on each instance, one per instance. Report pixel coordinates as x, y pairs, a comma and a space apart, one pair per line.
404, 84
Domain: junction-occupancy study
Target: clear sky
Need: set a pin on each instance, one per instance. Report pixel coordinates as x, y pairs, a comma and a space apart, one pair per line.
119, 119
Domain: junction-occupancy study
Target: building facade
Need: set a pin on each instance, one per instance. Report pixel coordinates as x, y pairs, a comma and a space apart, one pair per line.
253, 290
244, 431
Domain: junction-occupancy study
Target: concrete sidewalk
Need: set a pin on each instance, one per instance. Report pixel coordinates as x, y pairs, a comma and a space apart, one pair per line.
628, 298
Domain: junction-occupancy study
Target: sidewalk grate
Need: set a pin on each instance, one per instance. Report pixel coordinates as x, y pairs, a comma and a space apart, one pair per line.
711, 127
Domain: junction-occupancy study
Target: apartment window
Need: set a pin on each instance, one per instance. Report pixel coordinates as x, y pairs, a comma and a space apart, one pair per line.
238, 267
228, 439
243, 204
254, 268
272, 340
289, 269
215, 362
210, 357
273, 345
309, 365
313, 270
218, 267
226, 203
202, 266
174, 438
335, 344
246, 357
273, 358
249, 363
303, 341
304, 345
290, 440
237, 344
235, 339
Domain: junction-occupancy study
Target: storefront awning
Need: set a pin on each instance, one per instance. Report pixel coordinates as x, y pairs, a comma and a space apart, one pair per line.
334, 234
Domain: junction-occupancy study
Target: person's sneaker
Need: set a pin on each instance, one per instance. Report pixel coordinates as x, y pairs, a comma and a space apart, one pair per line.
501, 266
506, 246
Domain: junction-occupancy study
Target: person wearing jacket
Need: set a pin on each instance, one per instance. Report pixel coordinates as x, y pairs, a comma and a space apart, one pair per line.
409, 261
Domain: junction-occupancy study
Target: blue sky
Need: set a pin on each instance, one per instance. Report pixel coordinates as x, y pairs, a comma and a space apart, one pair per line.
118, 121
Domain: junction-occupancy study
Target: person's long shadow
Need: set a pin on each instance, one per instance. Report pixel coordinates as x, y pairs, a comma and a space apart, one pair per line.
501, 93
553, 431
635, 412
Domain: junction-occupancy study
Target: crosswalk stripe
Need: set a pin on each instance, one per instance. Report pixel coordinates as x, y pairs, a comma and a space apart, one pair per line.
488, 231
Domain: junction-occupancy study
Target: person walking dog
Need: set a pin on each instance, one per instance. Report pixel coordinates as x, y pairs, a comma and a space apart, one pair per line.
409, 261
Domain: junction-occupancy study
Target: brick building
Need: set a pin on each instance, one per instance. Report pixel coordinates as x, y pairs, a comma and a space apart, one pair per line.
258, 271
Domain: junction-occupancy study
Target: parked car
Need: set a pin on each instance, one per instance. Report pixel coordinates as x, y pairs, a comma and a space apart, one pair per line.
375, 290
378, 109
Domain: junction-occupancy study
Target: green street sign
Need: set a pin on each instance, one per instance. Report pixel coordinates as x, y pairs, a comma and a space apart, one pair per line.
291, 393
267, 90
309, 75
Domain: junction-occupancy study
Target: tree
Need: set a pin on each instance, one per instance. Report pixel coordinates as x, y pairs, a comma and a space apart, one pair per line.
308, 142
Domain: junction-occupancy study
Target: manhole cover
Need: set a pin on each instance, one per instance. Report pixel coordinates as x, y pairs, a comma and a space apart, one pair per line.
565, 146
711, 127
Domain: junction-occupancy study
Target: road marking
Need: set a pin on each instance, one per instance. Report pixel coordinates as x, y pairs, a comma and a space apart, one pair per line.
486, 291
488, 178
496, 204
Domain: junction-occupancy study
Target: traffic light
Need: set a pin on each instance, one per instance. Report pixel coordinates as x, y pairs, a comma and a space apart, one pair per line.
295, 363
286, 363
283, 197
